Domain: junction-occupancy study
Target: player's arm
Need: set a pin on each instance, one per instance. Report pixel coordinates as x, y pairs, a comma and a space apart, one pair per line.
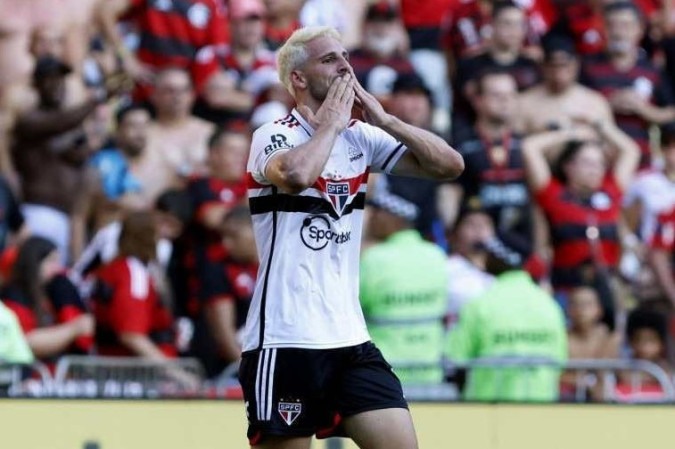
427, 155
296, 170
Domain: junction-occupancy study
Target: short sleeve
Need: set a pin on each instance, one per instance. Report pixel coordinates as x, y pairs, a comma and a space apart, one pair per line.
269, 141
385, 151
214, 283
17, 348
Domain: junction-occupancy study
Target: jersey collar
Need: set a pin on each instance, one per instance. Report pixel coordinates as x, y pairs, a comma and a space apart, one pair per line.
304, 123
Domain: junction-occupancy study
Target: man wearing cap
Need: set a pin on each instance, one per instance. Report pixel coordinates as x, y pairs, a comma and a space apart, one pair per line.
404, 284
560, 99
50, 152
514, 318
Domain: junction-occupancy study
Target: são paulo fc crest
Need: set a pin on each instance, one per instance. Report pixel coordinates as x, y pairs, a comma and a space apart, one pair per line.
338, 194
289, 411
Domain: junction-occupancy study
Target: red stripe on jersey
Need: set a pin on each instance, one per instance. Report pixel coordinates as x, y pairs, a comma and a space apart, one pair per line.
251, 183
354, 183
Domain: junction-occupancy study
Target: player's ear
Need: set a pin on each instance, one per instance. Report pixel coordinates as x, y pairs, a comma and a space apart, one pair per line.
298, 80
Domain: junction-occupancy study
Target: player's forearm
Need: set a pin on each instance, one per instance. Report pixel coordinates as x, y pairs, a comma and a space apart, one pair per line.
302, 166
438, 159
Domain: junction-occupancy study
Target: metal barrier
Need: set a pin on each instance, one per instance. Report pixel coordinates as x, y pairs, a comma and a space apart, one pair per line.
127, 377
22, 380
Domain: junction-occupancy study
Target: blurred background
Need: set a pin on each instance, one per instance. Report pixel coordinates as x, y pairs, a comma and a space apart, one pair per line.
544, 273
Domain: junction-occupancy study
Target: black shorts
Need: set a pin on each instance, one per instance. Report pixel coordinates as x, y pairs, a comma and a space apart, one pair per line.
302, 392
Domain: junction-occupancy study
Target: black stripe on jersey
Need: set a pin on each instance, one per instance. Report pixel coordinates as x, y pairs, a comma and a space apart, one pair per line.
308, 204
263, 300
391, 156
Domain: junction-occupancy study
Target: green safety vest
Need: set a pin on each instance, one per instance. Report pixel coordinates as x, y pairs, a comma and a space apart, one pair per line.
514, 318
13, 346
404, 285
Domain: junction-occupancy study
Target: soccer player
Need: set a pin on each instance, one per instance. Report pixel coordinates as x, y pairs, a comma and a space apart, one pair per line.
308, 366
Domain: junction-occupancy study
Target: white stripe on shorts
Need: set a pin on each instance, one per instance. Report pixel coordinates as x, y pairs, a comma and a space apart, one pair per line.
270, 384
258, 380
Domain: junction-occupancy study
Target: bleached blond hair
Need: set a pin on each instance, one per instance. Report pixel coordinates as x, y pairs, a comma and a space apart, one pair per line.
294, 54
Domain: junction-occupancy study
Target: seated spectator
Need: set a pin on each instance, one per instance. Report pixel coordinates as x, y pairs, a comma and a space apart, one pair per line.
468, 278
403, 290
494, 171
647, 334
246, 68
117, 165
503, 52
380, 58
581, 199
513, 318
660, 255
283, 17
13, 345
50, 310
637, 92
225, 294
559, 99
130, 317
172, 34
177, 145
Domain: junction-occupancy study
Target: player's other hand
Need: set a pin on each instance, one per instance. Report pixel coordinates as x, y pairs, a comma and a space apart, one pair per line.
336, 109
371, 109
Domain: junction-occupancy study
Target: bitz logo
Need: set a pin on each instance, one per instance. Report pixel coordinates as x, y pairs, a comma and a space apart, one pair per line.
279, 142
338, 193
289, 411
316, 233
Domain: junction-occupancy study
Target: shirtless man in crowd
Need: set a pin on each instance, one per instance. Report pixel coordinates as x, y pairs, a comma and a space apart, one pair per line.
560, 99
49, 150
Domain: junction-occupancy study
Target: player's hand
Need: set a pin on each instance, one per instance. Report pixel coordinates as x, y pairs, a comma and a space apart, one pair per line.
371, 109
336, 108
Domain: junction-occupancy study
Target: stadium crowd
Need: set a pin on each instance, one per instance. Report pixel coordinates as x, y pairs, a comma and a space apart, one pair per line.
142, 111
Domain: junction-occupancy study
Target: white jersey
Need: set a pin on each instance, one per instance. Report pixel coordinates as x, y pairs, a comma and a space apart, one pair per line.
306, 293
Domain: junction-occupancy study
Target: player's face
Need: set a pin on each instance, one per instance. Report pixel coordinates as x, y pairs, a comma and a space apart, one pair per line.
328, 60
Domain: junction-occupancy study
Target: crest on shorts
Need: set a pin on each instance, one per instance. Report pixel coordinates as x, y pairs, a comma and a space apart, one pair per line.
289, 411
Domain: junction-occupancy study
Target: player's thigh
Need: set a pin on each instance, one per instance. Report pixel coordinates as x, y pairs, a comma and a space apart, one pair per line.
285, 443
390, 428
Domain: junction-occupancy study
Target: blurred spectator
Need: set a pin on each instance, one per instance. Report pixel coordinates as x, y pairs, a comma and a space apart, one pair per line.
503, 51
468, 278
513, 318
50, 151
175, 34
560, 100
177, 146
246, 67
225, 294
411, 102
494, 172
403, 290
637, 92
647, 336
588, 338
653, 192
211, 197
12, 225
469, 25
130, 317
661, 251
581, 199
13, 345
346, 17
283, 17
380, 58
52, 314
117, 165
582, 20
